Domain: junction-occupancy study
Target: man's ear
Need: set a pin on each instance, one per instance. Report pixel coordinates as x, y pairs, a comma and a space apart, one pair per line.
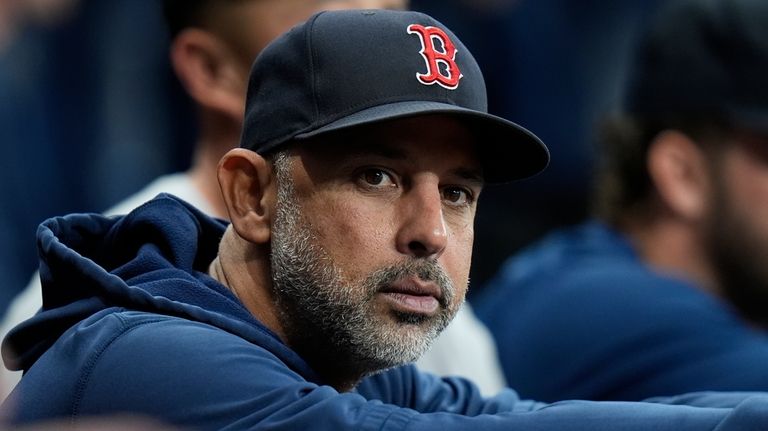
249, 190
210, 71
680, 173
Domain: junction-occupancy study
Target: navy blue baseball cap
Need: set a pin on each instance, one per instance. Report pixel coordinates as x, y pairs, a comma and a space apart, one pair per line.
704, 57
344, 69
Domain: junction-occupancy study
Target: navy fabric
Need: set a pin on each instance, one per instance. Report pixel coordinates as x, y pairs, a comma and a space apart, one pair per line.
132, 324
578, 315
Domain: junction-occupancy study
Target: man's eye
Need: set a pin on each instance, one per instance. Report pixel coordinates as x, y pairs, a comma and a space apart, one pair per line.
457, 195
377, 177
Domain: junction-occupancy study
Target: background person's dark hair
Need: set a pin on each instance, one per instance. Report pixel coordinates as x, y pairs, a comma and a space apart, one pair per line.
623, 186
181, 14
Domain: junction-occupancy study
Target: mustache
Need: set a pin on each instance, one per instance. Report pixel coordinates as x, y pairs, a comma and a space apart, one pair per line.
425, 270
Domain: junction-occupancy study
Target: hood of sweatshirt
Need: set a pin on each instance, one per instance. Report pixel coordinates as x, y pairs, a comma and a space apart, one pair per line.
154, 259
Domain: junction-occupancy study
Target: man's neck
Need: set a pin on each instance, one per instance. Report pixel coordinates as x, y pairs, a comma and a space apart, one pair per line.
218, 135
245, 271
203, 176
674, 247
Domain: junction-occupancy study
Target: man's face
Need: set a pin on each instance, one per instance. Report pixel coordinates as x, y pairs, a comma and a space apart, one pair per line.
738, 225
372, 241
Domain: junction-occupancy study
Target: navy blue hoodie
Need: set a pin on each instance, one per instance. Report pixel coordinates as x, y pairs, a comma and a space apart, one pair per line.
132, 323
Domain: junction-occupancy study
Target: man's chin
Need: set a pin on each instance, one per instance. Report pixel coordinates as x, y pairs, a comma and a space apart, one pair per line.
412, 332
413, 319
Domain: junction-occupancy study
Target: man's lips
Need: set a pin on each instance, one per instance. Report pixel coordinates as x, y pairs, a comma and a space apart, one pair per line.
413, 295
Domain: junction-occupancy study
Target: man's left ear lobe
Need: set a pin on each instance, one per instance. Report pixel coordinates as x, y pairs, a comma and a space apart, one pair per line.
679, 171
248, 187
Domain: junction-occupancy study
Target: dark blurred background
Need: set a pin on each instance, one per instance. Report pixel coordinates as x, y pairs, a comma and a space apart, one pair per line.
90, 110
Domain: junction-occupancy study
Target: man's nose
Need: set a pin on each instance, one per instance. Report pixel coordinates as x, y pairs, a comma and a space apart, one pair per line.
422, 230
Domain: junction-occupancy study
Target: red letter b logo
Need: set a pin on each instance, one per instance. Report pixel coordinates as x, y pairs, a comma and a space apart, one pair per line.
449, 75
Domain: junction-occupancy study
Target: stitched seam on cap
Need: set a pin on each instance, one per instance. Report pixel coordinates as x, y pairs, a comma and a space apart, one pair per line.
312, 61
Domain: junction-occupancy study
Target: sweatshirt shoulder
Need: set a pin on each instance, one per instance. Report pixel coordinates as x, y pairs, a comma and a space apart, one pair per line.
142, 336
162, 365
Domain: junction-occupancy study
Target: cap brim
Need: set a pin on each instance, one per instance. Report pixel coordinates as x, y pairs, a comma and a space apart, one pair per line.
507, 151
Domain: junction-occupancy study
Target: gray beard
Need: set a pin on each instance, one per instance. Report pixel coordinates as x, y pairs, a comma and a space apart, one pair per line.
331, 322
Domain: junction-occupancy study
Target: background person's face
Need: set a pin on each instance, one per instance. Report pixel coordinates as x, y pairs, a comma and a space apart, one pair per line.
372, 246
737, 227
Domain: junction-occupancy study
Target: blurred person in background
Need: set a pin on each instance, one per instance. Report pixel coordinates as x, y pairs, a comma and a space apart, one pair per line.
15, 15
68, 81
665, 290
